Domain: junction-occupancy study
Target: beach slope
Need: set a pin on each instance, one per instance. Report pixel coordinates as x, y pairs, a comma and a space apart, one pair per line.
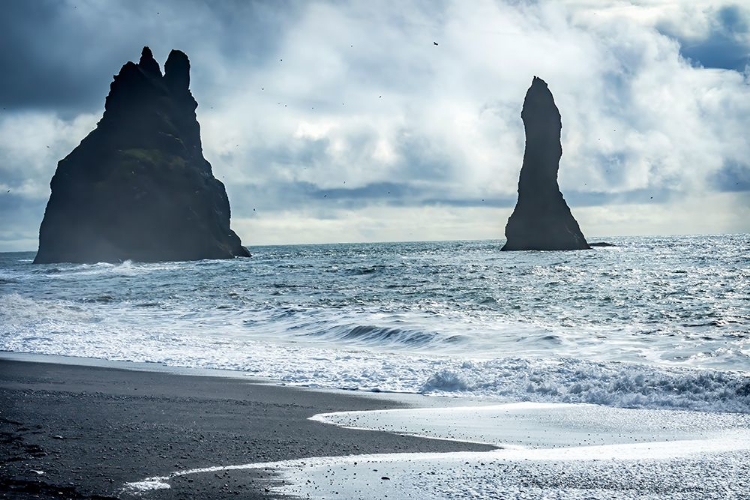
84, 432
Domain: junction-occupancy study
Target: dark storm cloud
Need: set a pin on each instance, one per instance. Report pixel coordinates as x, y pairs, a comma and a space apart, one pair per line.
423, 175
16, 211
11, 202
32, 35
300, 153
366, 118
61, 55
733, 177
636, 196
379, 191
297, 194
489, 202
304, 195
725, 46
423, 158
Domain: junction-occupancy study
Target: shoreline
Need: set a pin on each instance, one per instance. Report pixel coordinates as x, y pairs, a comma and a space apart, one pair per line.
78, 431
69, 430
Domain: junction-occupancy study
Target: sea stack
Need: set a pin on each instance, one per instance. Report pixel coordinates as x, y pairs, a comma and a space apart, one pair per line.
138, 186
541, 219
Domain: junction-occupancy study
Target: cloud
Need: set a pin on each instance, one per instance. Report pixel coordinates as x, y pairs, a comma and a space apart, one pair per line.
722, 41
733, 176
699, 213
376, 222
60, 55
335, 116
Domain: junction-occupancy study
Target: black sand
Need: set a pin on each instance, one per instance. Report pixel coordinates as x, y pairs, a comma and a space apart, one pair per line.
90, 430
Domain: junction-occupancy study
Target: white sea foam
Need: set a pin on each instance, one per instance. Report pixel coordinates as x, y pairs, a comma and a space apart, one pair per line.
662, 454
545, 425
550, 451
71, 329
684, 470
656, 323
148, 484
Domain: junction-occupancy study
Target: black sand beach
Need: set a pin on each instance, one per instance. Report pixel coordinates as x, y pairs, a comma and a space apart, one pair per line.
71, 431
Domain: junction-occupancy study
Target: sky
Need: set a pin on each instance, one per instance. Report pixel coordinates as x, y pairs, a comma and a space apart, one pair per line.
353, 121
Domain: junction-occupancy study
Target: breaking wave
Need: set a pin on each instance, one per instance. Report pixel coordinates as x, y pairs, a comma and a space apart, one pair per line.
382, 336
656, 323
612, 384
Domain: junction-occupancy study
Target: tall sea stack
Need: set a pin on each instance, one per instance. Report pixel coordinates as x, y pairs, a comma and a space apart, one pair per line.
541, 219
138, 187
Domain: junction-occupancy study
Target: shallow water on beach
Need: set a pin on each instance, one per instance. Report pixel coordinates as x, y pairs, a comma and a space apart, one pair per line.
545, 450
655, 322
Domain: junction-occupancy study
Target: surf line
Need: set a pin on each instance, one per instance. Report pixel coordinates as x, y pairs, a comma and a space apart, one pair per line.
162, 482
623, 452
733, 440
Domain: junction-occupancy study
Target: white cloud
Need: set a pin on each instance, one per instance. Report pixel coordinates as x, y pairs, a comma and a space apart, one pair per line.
372, 224
705, 213
31, 144
348, 95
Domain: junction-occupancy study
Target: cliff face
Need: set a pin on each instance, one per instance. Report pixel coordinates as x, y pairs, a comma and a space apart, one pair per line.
542, 219
138, 187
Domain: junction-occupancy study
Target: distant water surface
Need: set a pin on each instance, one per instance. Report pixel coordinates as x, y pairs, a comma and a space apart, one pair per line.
652, 322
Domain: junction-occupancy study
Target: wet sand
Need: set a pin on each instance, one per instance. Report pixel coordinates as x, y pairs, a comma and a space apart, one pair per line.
70, 431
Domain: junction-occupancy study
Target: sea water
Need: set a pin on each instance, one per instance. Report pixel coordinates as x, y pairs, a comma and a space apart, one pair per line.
653, 322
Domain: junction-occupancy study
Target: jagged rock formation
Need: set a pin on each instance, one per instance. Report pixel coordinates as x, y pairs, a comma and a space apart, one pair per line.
138, 187
541, 219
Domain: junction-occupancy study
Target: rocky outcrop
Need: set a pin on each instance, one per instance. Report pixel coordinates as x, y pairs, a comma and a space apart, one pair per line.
541, 219
138, 186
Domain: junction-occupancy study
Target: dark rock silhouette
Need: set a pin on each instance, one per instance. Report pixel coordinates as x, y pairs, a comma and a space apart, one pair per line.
541, 219
138, 187
602, 244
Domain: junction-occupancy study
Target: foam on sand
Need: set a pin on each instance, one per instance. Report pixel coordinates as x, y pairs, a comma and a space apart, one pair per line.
549, 450
543, 425
685, 469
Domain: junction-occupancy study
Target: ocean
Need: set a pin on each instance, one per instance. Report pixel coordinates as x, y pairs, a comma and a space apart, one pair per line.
653, 322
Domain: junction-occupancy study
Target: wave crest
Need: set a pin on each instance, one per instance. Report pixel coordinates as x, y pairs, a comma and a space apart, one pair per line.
382, 336
611, 384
